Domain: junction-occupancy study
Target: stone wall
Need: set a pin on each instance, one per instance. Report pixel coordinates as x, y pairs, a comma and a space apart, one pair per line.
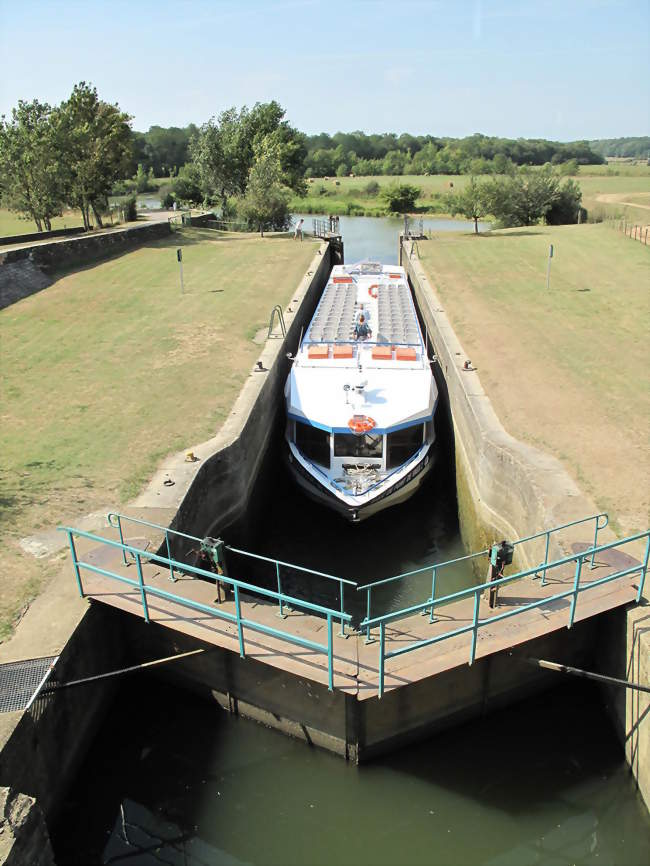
41, 236
18, 280
72, 252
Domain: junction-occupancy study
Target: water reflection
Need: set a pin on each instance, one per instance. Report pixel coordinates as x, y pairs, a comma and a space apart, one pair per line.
543, 782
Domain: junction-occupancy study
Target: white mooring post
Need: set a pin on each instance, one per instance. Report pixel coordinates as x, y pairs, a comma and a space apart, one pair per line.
179, 256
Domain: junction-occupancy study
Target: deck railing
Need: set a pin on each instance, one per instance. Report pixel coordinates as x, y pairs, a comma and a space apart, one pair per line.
117, 520
474, 627
600, 522
146, 590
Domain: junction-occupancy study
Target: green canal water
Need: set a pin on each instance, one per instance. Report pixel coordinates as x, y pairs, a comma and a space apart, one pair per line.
174, 779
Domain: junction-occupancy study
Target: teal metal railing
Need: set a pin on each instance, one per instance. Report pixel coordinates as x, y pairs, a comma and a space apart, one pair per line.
477, 623
238, 586
600, 522
116, 521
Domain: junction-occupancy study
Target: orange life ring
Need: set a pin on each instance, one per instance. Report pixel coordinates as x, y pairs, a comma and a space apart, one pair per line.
373, 291
360, 424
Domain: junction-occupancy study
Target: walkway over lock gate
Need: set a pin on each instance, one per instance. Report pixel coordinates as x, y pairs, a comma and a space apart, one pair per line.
434, 635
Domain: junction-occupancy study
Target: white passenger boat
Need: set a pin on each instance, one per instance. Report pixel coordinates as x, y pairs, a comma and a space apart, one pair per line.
360, 407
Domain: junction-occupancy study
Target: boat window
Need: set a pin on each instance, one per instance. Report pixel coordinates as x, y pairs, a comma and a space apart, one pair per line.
351, 445
313, 443
402, 444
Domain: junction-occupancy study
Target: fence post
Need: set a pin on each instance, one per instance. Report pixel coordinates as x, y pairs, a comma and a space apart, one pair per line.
576, 582
342, 589
643, 571
382, 643
277, 574
169, 557
548, 542
143, 594
330, 656
368, 638
433, 593
593, 555
73, 553
119, 527
472, 652
240, 630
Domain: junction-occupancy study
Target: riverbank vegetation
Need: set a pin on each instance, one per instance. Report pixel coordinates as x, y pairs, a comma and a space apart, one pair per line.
566, 368
85, 396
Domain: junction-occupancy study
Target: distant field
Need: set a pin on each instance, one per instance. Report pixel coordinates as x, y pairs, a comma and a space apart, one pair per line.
347, 194
567, 369
111, 368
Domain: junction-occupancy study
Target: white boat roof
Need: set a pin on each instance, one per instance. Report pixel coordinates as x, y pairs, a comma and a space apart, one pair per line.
387, 377
378, 290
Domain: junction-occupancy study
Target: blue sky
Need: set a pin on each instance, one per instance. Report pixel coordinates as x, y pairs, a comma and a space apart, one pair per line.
559, 69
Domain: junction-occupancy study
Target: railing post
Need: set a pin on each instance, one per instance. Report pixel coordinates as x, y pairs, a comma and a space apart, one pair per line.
472, 652
576, 582
593, 555
277, 573
330, 654
143, 594
240, 630
169, 557
73, 553
548, 544
382, 643
433, 593
643, 571
368, 638
119, 527
342, 632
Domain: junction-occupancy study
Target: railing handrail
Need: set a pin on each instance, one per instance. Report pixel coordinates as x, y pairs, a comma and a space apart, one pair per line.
439, 565
291, 565
400, 614
221, 578
142, 522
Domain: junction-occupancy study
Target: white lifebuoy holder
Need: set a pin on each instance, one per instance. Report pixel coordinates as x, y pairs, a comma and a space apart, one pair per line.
373, 291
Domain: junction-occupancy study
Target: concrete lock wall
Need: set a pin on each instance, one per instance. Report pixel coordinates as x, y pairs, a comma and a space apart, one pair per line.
213, 494
508, 489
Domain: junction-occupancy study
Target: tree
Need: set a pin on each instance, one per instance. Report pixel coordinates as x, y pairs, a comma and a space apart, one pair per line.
526, 197
97, 145
266, 203
566, 208
225, 150
400, 198
187, 186
472, 202
31, 172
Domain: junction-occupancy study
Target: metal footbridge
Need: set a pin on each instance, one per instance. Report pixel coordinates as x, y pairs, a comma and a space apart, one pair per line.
388, 648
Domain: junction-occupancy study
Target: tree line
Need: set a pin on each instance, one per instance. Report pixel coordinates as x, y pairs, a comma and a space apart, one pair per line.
69, 155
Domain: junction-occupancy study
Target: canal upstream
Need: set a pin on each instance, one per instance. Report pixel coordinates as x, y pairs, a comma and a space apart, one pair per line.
175, 779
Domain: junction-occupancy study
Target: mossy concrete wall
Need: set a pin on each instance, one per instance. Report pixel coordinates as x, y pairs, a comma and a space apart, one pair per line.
507, 489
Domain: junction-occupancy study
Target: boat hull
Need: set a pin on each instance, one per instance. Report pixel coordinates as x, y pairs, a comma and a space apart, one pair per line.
357, 513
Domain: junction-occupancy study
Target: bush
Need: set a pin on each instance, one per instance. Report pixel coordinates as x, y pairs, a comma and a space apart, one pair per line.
129, 209
167, 197
401, 198
371, 188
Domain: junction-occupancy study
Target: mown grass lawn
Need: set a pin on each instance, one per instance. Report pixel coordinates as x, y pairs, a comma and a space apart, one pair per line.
567, 369
112, 367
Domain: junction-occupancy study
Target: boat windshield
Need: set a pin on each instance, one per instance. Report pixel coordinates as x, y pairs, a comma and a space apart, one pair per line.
352, 445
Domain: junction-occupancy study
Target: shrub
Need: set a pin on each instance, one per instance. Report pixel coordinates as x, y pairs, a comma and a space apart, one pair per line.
401, 198
129, 209
371, 188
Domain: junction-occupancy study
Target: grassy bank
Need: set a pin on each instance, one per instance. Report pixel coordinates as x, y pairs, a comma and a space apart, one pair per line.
566, 369
111, 368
